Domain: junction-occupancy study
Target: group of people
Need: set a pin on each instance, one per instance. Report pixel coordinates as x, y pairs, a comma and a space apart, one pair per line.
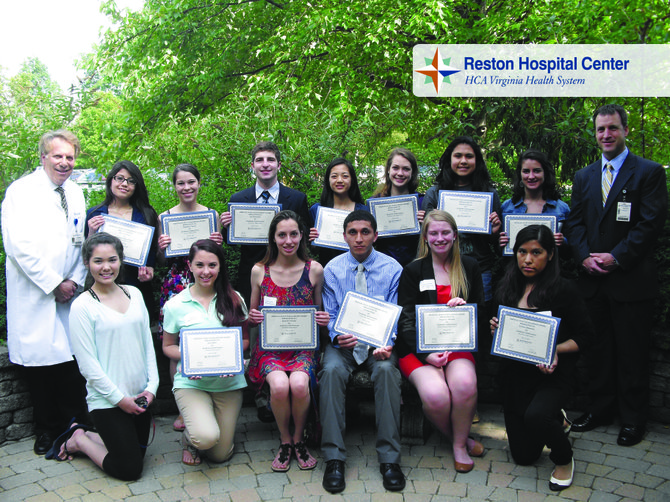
65, 297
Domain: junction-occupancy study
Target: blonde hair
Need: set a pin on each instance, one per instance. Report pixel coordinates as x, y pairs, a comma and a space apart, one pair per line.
459, 283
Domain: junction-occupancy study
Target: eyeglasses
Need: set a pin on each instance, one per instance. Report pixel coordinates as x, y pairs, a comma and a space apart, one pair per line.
120, 179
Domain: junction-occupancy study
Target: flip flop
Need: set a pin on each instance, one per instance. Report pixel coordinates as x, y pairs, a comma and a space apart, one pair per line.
60, 440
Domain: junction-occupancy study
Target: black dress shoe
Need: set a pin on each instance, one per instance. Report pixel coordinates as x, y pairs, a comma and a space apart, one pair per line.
265, 415
394, 479
588, 422
630, 434
333, 477
43, 443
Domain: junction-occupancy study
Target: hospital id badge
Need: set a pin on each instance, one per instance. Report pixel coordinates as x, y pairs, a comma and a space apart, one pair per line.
78, 233
623, 210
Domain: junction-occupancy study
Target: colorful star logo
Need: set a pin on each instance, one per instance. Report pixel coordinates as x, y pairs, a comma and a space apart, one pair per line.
436, 67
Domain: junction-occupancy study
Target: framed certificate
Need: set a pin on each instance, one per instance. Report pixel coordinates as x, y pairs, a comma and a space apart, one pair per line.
440, 328
329, 223
525, 336
211, 351
370, 320
516, 222
186, 228
135, 237
289, 328
470, 209
251, 222
395, 215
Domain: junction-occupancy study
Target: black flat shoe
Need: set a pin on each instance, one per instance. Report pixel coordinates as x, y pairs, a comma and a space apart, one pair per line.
394, 479
43, 443
333, 476
630, 434
556, 485
588, 422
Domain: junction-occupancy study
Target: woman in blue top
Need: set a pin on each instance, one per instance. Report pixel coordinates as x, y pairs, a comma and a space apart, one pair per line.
535, 192
126, 197
210, 405
340, 191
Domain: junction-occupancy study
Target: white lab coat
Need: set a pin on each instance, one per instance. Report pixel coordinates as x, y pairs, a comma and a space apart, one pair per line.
41, 253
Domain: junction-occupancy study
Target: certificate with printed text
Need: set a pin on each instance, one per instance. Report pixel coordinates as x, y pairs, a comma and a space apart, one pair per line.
186, 228
440, 328
251, 222
211, 351
289, 328
470, 209
329, 223
395, 215
370, 320
135, 237
525, 336
517, 222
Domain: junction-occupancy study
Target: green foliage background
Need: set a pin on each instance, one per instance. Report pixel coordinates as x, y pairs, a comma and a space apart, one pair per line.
201, 81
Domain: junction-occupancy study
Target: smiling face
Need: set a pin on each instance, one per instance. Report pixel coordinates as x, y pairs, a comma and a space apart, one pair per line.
205, 268
59, 162
360, 237
124, 189
532, 259
400, 173
287, 237
532, 175
187, 187
463, 161
611, 135
340, 179
266, 167
440, 238
104, 264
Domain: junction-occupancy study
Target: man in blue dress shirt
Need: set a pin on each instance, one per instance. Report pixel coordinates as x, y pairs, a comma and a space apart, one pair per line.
367, 271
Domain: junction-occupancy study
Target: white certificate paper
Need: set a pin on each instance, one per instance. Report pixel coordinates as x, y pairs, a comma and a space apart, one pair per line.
251, 222
525, 336
440, 328
329, 223
135, 237
289, 328
395, 215
514, 223
211, 351
370, 320
470, 209
186, 228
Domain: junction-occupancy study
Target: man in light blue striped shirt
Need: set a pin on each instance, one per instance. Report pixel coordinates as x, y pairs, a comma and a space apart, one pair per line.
378, 277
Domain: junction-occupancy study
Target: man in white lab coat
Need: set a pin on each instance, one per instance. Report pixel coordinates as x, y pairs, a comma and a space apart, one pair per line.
43, 217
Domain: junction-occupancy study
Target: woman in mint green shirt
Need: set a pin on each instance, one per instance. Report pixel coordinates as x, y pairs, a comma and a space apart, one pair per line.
210, 405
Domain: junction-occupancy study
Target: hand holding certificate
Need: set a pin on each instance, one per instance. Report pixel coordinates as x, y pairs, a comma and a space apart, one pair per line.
186, 228
135, 237
251, 222
370, 320
330, 224
211, 351
470, 209
289, 328
525, 336
514, 223
395, 215
440, 328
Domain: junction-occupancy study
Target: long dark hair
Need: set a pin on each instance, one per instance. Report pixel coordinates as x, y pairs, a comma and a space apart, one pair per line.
229, 304
513, 285
354, 193
384, 189
93, 241
446, 178
140, 197
549, 191
272, 251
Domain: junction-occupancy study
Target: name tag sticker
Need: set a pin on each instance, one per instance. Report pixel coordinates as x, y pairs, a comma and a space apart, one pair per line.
623, 211
193, 318
269, 301
427, 285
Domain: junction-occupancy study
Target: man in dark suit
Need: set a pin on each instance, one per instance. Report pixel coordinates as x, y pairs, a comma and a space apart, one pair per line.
265, 162
619, 206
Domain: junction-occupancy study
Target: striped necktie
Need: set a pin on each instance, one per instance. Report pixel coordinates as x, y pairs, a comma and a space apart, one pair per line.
265, 196
63, 200
361, 349
607, 182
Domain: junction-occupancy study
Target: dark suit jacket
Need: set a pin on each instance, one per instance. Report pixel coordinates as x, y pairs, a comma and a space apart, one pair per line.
410, 295
592, 228
250, 255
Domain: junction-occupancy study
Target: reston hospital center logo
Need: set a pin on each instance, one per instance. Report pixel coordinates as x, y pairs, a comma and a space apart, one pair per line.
437, 70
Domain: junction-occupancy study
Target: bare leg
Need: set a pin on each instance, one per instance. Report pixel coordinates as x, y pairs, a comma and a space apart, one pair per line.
178, 424
435, 397
299, 383
462, 381
83, 442
281, 403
